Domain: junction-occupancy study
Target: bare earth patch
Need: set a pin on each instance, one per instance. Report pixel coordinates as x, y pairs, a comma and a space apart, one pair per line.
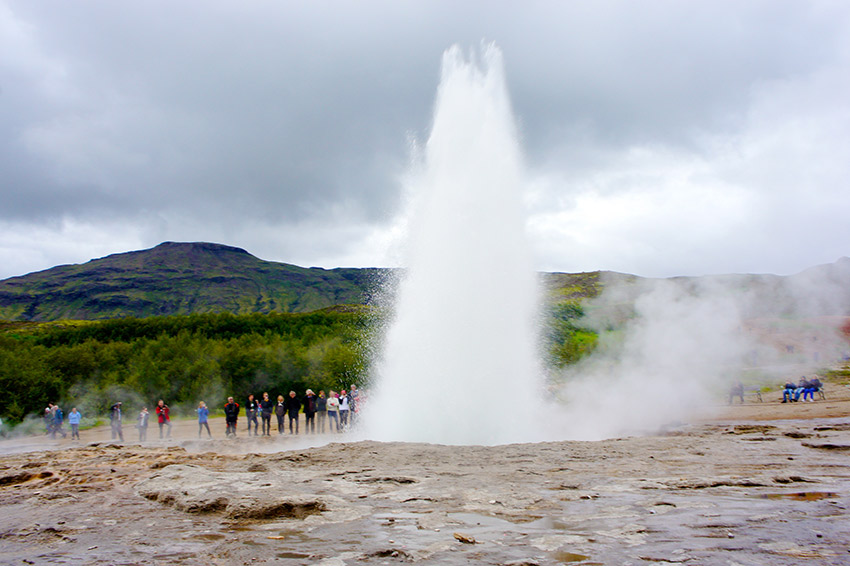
762, 484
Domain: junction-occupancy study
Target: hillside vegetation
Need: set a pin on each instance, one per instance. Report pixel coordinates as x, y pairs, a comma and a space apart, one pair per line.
181, 359
180, 278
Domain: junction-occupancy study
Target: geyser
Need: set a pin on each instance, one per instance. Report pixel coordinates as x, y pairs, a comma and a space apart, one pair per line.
458, 362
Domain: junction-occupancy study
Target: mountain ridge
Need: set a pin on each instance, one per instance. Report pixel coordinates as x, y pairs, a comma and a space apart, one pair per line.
179, 278
175, 278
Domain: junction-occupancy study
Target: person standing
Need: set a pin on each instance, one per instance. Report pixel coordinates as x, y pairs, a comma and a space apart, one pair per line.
293, 407
333, 411
266, 410
163, 414
58, 418
203, 418
252, 411
48, 419
344, 409
310, 412
115, 421
231, 416
142, 424
280, 413
353, 403
74, 418
322, 410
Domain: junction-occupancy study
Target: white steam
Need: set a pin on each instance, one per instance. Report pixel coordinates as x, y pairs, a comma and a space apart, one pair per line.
677, 346
459, 360
668, 362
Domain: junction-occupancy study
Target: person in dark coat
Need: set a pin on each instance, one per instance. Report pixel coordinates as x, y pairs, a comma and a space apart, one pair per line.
115, 421
310, 408
231, 415
814, 386
788, 392
252, 412
293, 406
322, 410
280, 413
266, 410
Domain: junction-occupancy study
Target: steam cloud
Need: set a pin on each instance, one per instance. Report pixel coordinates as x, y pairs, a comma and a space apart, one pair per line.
689, 339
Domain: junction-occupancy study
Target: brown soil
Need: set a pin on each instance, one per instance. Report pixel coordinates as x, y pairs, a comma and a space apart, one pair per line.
762, 483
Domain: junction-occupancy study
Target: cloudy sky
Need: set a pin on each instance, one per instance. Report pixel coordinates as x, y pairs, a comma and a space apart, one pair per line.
661, 137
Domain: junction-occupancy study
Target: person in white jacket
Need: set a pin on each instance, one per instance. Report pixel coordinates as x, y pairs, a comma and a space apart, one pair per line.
344, 409
333, 411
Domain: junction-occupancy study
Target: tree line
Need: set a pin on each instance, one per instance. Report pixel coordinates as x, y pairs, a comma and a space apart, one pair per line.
181, 359
185, 359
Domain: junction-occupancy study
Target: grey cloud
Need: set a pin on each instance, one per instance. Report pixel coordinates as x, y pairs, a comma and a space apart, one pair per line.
274, 112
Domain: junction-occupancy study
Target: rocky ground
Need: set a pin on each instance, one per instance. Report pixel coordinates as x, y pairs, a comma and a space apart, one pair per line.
766, 483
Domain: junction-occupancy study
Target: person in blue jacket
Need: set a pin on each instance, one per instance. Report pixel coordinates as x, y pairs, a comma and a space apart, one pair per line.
58, 418
74, 418
203, 418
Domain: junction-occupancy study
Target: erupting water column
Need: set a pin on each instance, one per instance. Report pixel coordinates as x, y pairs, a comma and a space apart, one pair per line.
459, 360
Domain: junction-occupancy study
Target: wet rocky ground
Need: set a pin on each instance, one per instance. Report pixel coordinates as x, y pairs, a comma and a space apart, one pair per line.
718, 493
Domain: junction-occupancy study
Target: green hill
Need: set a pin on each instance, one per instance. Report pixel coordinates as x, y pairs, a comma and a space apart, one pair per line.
194, 278
180, 278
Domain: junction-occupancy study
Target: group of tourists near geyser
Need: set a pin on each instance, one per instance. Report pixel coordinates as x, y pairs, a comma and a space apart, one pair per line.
335, 412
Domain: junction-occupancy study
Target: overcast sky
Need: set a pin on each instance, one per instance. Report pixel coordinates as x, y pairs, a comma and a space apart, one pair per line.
661, 137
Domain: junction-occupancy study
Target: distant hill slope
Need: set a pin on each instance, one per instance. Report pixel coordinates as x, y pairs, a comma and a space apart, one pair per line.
185, 278
180, 278
823, 290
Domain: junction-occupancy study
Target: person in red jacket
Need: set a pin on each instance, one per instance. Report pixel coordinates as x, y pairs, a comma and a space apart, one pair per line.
163, 417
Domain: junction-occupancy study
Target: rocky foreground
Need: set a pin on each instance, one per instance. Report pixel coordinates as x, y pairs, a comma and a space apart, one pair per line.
749, 493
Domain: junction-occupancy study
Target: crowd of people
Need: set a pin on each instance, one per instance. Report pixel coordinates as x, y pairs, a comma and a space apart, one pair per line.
792, 392
335, 412
54, 419
805, 388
